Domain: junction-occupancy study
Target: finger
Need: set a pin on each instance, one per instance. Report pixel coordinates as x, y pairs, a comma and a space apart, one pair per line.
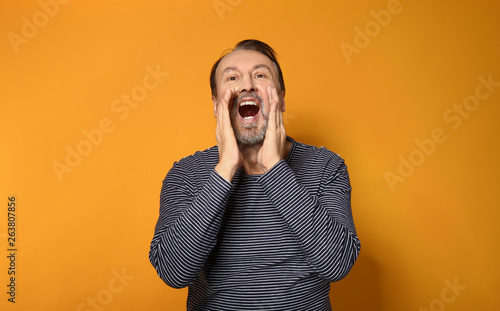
272, 104
272, 97
227, 97
222, 110
271, 119
277, 106
279, 110
278, 116
223, 103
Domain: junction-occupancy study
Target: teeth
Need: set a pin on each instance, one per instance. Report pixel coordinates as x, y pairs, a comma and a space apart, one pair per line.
248, 102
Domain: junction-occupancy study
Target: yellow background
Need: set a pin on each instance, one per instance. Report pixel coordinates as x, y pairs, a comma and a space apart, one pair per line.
75, 235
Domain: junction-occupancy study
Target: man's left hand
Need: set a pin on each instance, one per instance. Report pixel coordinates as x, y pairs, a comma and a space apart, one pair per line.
273, 148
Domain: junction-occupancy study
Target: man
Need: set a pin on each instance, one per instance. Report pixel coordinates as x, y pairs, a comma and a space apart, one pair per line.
260, 221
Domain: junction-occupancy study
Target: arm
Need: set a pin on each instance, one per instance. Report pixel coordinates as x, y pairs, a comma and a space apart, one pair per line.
190, 217
322, 224
186, 232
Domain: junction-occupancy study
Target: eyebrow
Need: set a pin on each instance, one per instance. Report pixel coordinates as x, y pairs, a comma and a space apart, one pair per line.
261, 66
254, 67
228, 69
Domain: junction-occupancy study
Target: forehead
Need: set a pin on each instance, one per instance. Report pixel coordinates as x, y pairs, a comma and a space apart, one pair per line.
244, 59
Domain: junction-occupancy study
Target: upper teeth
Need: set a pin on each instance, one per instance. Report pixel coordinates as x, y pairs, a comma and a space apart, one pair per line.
248, 102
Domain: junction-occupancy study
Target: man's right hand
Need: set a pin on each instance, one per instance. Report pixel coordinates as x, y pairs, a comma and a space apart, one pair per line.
230, 158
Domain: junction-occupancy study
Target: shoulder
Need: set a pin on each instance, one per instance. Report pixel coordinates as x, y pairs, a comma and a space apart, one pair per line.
315, 167
206, 157
304, 154
195, 166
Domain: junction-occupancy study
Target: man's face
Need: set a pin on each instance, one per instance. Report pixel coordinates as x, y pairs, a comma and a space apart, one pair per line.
249, 73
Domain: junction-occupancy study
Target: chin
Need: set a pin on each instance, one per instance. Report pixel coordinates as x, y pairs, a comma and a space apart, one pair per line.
251, 139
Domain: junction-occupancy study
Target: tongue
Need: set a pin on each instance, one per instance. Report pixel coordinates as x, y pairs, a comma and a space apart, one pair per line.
248, 111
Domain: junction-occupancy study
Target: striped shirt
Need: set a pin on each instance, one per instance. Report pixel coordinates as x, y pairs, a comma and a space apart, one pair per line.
262, 242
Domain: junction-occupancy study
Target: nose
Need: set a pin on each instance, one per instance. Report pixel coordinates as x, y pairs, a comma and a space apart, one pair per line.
247, 84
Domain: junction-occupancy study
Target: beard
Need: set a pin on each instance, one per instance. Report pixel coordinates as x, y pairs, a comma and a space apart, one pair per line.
248, 134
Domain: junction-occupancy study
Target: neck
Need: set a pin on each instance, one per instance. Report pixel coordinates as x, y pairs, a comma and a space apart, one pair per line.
250, 165
249, 153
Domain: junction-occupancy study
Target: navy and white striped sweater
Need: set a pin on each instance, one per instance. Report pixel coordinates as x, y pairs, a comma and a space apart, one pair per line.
262, 242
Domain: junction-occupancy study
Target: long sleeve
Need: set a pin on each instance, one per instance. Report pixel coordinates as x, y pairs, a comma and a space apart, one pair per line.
320, 220
191, 212
261, 242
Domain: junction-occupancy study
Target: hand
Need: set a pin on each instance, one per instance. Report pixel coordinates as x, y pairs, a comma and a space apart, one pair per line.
230, 158
273, 148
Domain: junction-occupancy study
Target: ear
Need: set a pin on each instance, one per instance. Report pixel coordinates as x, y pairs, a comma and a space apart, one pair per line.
282, 97
214, 100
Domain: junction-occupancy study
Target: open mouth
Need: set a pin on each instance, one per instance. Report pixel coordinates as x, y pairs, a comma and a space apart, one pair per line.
248, 110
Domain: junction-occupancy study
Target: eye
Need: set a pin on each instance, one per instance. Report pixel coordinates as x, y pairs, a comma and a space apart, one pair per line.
231, 78
260, 75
